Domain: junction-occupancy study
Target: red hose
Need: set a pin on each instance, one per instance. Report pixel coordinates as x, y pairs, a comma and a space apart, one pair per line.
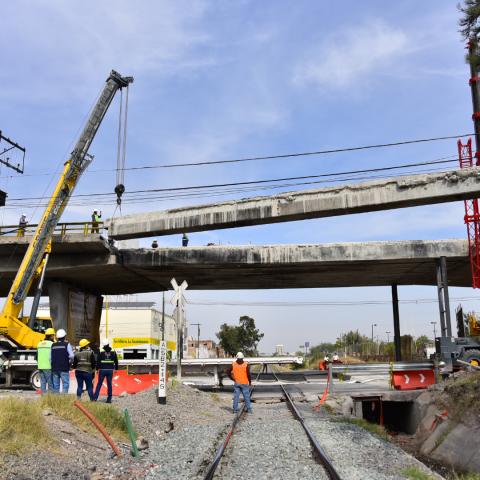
99, 426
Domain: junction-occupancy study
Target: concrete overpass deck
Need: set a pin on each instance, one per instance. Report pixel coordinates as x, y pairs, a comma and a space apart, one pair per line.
91, 264
395, 192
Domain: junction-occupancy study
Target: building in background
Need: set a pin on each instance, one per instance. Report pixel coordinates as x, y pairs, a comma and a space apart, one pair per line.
208, 349
279, 350
134, 328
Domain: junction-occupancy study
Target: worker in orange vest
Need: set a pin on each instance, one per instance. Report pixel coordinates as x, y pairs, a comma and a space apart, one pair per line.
239, 373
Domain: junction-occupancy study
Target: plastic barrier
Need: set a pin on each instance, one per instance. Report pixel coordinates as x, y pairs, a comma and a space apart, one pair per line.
123, 382
412, 379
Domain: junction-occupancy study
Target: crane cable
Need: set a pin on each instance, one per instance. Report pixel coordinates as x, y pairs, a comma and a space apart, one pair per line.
121, 150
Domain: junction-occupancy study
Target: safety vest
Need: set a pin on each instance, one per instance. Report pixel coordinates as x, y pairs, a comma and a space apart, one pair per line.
239, 372
107, 360
84, 360
44, 350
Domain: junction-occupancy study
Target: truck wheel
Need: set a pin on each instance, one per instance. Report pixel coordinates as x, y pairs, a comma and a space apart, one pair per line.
35, 380
472, 357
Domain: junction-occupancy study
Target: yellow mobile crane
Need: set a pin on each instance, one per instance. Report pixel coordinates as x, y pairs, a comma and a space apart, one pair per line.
17, 333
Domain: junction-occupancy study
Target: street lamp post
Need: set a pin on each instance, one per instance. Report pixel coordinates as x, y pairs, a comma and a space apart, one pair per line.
198, 338
373, 344
434, 329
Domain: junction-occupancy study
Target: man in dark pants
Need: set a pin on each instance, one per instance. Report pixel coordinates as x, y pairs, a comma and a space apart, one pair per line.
107, 363
62, 358
84, 365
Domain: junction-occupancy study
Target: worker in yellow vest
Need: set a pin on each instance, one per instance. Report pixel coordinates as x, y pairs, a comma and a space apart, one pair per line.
239, 373
44, 363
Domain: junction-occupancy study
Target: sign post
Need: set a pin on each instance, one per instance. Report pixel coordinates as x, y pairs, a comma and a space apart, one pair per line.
178, 301
162, 373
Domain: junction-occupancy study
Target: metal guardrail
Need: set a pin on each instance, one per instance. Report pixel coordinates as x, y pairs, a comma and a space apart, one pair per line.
382, 367
62, 229
217, 361
186, 362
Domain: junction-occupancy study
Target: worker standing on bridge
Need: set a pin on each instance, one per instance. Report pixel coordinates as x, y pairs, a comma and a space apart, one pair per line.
44, 351
22, 225
96, 219
239, 373
62, 358
84, 364
107, 362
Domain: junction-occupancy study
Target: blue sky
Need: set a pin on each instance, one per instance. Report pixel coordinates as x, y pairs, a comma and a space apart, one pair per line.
217, 80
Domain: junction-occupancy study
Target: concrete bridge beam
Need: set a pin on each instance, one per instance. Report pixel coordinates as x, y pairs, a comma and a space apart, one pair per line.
395, 192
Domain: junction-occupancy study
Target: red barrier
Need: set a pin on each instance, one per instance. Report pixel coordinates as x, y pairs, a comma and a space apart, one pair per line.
123, 382
412, 379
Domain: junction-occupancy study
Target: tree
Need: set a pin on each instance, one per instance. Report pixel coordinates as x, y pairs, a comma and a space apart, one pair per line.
470, 26
242, 338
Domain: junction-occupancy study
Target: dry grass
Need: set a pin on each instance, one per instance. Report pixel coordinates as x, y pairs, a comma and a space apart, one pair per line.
108, 415
462, 396
22, 426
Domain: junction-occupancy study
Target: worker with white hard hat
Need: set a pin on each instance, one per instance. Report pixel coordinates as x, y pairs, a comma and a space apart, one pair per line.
107, 363
62, 358
239, 373
22, 224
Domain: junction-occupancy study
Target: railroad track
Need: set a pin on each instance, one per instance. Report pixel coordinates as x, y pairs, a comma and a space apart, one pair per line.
271, 441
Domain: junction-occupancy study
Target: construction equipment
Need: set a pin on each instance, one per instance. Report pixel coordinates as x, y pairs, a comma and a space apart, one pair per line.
465, 347
19, 336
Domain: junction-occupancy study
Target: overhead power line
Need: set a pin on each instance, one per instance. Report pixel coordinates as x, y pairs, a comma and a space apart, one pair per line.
258, 182
276, 157
327, 303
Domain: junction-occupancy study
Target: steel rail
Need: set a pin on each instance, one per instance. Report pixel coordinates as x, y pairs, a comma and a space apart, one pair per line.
322, 455
221, 449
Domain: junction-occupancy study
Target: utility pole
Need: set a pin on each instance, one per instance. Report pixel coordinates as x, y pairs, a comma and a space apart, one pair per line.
178, 301
198, 337
434, 330
388, 336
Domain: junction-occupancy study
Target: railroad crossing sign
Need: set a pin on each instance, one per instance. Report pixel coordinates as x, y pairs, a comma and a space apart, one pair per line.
179, 289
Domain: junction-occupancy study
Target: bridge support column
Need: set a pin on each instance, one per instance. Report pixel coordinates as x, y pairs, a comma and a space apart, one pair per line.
75, 311
443, 297
396, 325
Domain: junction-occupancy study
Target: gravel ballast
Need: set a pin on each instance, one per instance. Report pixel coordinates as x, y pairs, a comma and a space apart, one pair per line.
270, 444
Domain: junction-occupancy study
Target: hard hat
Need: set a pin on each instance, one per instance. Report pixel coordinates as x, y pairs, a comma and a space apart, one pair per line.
84, 342
24, 214
50, 331
239, 355
105, 342
61, 333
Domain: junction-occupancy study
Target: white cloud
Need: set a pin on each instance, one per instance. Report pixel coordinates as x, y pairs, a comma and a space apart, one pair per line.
348, 57
66, 44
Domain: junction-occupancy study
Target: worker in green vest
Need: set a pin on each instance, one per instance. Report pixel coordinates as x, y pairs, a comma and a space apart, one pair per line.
44, 353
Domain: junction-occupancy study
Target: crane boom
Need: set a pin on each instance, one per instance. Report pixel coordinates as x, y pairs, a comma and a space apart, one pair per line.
10, 325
